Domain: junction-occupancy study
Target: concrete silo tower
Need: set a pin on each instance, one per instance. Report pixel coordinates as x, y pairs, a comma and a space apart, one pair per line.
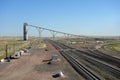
25, 29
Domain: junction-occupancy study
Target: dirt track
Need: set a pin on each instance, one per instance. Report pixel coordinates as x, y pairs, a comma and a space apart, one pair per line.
32, 67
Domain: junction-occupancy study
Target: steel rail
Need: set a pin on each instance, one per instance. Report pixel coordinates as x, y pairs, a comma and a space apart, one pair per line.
107, 58
79, 67
98, 63
82, 69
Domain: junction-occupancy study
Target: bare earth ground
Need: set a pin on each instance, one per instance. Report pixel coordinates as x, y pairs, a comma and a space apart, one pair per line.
32, 67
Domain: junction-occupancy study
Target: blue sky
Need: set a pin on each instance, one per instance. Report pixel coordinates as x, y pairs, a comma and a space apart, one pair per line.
82, 17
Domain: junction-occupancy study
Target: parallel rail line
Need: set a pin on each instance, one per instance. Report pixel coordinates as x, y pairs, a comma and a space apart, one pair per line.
104, 57
79, 67
105, 65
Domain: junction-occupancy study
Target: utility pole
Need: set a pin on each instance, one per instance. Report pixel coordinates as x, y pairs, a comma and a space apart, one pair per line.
6, 50
8, 58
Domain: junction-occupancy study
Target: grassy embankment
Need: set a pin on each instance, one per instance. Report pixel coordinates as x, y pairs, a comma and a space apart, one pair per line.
112, 47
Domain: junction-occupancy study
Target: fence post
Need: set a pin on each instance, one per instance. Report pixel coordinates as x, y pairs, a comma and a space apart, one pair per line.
7, 56
14, 48
6, 50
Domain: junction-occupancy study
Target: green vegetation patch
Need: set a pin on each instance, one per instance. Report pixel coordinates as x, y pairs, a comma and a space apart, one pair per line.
42, 46
112, 47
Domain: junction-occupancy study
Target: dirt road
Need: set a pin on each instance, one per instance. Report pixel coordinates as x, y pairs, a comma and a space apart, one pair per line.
31, 66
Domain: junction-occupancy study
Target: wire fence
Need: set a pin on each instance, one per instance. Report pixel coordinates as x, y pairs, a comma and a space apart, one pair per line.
9, 49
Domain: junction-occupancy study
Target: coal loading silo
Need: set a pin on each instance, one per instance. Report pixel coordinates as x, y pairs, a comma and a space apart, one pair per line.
25, 35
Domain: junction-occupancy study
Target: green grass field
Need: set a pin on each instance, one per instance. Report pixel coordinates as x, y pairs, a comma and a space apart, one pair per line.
112, 47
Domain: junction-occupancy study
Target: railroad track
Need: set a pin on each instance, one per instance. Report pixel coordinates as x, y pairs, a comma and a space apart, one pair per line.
107, 58
82, 69
108, 68
103, 57
79, 67
101, 62
98, 55
106, 63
